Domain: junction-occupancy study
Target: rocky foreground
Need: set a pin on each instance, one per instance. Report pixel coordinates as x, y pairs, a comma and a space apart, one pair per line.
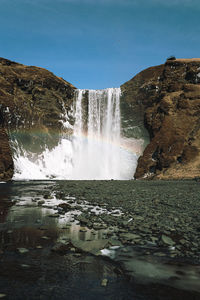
162, 217
100, 239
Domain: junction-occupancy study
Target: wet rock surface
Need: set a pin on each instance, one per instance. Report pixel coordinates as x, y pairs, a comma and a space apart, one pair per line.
109, 240
163, 215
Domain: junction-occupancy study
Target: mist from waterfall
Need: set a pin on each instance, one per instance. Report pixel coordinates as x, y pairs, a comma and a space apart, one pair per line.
96, 149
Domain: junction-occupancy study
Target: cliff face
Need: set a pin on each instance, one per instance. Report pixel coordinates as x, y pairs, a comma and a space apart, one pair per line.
138, 94
31, 99
172, 118
161, 102
6, 162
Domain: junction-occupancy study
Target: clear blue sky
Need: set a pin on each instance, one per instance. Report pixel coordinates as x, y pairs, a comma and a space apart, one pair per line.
98, 43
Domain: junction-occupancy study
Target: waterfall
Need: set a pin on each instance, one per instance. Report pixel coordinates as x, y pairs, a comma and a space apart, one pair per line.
96, 150
97, 139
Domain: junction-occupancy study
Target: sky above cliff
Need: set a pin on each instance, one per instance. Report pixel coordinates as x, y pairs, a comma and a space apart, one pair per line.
98, 43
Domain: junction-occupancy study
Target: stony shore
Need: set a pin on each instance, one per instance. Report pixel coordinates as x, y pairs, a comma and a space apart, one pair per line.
161, 217
100, 240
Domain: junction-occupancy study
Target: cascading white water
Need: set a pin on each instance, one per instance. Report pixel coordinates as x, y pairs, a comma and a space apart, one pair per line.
96, 149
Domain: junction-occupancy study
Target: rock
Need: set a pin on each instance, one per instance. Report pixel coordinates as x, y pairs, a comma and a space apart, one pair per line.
138, 218
54, 216
39, 203
22, 250
92, 247
154, 239
25, 266
104, 282
183, 242
47, 196
65, 206
83, 230
45, 237
167, 240
130, 236
160, 254
98, 226
61, 248
82, 219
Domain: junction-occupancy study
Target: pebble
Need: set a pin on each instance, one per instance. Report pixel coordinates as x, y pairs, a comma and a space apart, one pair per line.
40, 202
22, 250
25, 266
167, 240
159, 254
45, 237
83, 230
54, 216
104, 282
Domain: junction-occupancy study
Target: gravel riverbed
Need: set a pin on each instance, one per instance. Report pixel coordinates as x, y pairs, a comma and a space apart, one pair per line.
164, 214
100, 240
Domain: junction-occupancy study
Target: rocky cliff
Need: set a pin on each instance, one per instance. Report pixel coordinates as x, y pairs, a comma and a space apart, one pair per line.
31, 99
161, 102
137, 94
168, 98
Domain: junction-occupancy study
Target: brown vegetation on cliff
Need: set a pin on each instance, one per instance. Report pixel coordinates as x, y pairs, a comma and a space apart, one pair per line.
172, 118
34, 96
31, 98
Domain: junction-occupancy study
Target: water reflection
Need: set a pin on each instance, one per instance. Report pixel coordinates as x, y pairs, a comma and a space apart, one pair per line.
25, 222
5, 201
